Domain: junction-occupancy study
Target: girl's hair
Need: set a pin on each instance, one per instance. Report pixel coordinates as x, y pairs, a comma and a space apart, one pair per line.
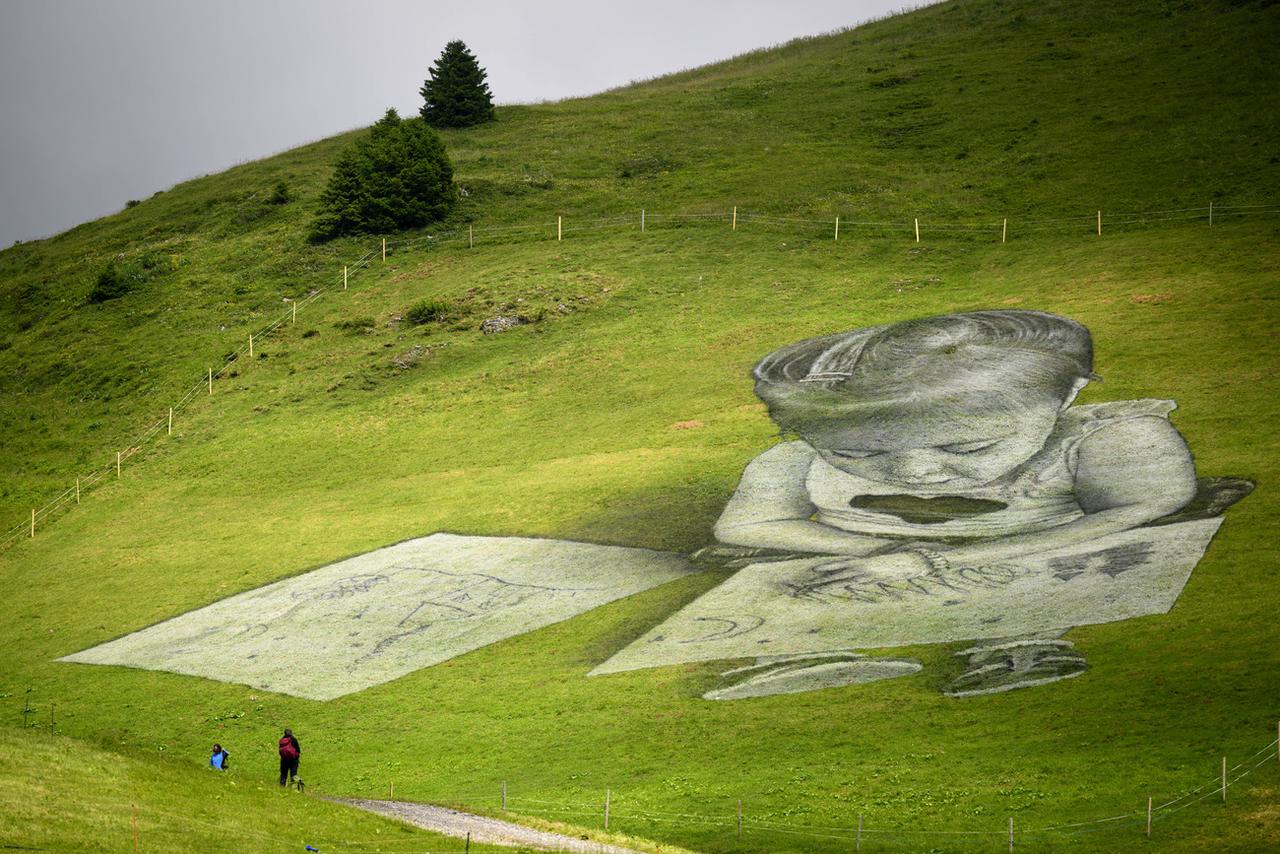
288, 732
958, 363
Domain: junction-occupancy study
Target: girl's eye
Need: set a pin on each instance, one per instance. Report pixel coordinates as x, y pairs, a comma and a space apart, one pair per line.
850, 454
969, 447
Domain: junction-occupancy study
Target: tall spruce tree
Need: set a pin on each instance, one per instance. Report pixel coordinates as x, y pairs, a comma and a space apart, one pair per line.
455, 95
397, 177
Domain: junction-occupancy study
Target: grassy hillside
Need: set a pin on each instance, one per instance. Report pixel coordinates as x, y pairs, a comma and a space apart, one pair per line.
59, 794
352, 429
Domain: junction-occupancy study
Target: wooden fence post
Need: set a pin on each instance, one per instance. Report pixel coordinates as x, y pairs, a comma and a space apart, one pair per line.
1010, 833
384, 250
294, 303
117, 465
837, 228
344, 277
559, 228
211, 381
735, 218
1224, 779
77, 490
642, 219
504, 795
858, 846
1210, 213
607, 794
1099, 223
251, 346
1004, 231
739, 818
170, 422
1148, 816
917, 229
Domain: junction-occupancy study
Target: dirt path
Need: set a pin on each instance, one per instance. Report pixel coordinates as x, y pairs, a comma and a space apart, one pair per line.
482, 829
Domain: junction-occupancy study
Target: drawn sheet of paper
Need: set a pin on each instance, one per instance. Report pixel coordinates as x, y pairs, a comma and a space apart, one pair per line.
772, 609
380, 615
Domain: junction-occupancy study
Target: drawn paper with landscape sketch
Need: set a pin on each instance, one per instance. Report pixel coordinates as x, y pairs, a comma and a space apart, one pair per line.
378, 616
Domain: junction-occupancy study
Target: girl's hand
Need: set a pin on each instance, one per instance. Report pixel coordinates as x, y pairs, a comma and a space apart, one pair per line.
922, 547
841, 572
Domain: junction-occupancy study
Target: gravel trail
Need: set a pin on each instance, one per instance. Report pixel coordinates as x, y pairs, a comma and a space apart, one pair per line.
482, 829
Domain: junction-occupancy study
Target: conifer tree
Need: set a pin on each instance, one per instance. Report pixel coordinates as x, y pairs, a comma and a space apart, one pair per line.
397, 177
455, 94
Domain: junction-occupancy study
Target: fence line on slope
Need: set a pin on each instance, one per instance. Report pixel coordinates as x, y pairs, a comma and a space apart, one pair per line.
737, 822
72, 494
858, 832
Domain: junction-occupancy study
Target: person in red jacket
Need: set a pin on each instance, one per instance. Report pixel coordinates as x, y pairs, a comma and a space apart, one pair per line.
290, 753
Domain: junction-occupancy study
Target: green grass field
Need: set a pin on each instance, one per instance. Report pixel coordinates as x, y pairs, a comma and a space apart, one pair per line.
324, 446
59, 794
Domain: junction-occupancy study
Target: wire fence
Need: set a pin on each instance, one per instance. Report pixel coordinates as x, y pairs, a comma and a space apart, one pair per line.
609, 812
859, 831
834, 228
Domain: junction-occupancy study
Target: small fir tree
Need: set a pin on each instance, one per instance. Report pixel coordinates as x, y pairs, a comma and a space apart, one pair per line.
397, 177
456, 94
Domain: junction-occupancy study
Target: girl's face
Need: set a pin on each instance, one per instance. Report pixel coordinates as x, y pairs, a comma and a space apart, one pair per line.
933, 454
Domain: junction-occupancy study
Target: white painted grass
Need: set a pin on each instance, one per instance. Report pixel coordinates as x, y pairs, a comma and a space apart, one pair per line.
378, 616
764, 609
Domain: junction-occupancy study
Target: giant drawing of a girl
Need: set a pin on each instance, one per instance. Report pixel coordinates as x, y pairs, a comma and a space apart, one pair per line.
942, 486
937, 484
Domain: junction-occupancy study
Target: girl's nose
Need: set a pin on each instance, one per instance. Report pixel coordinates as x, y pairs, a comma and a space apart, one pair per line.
920, 465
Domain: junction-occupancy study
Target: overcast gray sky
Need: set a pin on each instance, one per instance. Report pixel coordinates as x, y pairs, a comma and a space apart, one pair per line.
107, 100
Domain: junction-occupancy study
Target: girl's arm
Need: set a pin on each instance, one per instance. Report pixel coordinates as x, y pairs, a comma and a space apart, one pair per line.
771, 509
1127, 475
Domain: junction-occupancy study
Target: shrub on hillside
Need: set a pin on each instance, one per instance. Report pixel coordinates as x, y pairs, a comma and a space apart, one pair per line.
427, 311
455, 94
356, 324
397, 177
27, 304
280, 195
112, 283
120, 277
